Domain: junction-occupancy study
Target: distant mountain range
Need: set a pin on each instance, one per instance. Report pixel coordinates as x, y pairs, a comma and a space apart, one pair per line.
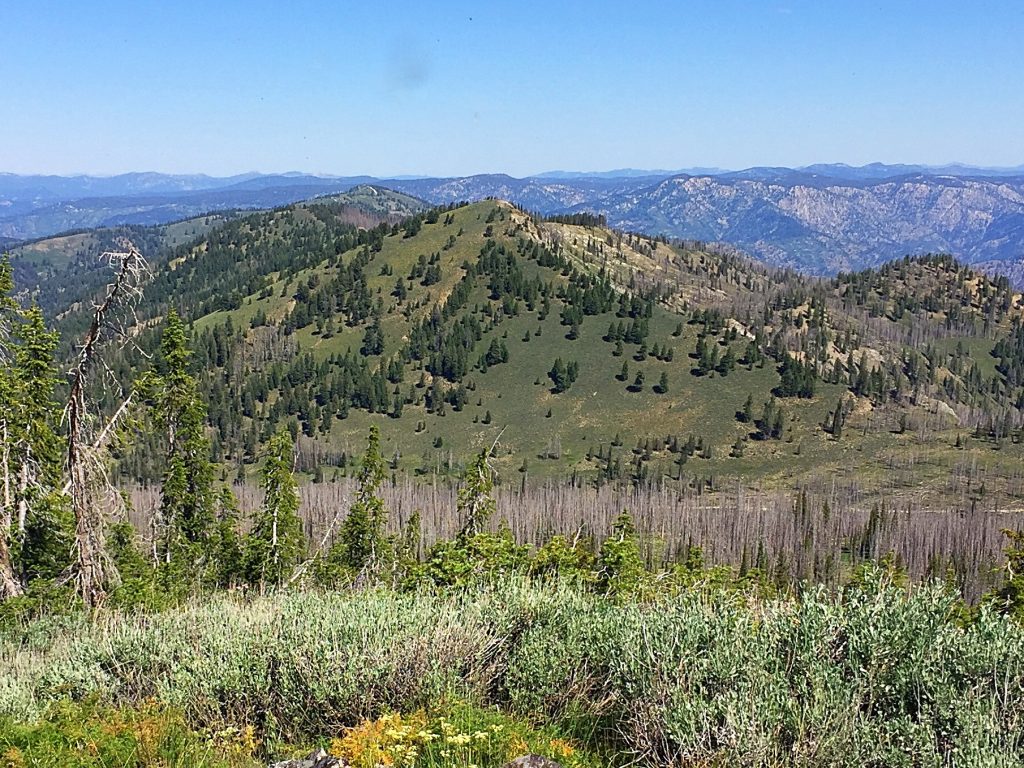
820, 218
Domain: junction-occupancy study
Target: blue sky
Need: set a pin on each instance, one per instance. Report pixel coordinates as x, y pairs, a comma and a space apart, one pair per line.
452, 88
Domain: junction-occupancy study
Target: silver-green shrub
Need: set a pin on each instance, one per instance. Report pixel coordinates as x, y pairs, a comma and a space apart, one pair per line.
872, 677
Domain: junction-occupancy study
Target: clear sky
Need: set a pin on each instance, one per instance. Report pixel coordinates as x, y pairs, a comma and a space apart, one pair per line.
450, 88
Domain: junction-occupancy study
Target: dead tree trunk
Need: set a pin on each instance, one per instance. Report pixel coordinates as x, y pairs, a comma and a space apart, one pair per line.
9, 584
24, 481
83, 463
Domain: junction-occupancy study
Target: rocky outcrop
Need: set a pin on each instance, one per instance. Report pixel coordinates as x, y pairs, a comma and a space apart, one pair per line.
317, 759
532, 761
320, 759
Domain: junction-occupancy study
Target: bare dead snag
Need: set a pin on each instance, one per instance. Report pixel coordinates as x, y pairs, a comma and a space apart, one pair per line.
321, 547
86, 481
9, 584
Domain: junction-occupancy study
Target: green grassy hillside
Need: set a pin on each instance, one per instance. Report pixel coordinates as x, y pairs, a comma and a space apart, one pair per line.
444, 331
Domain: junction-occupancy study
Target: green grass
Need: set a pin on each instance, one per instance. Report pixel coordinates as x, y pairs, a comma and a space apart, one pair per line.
978, 349
94, 735
55, 252
181, 232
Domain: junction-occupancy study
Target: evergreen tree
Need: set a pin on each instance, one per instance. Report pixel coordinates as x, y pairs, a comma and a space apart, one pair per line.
35, 525
620, 565
838, 418
227, 554
777, 425
361, 541
373, 339
475, 501
187, 496
276, 543
727, 362
797, 379
662, 387
746, 415
559, 376
9, 584
44, 522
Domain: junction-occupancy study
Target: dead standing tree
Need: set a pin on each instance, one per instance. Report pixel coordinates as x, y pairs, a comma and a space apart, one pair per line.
86, 477
9, 584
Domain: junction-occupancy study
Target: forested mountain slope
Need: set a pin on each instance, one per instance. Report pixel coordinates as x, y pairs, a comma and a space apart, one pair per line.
65, 269
597, 354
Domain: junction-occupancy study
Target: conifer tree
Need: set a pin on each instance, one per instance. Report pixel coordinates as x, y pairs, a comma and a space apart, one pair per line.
44, 523
620, 565
9, 584
276, 543
361, 540
187, 497
747, 413
35, 525
737, 450
662, 387
559, 376
475, 500
226, 545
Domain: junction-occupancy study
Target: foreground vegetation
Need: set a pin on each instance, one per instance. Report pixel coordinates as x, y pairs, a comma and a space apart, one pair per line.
872, 676
95, 734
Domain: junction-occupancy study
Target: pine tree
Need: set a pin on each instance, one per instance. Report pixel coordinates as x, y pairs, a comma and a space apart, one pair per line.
837, 421
620, 564
727, 363
475, 501
187, 497
747, 413
777, 425
276, 543
228, 556
10, 586
44, 522
361, 540
35, 524
559, 376
662, 387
